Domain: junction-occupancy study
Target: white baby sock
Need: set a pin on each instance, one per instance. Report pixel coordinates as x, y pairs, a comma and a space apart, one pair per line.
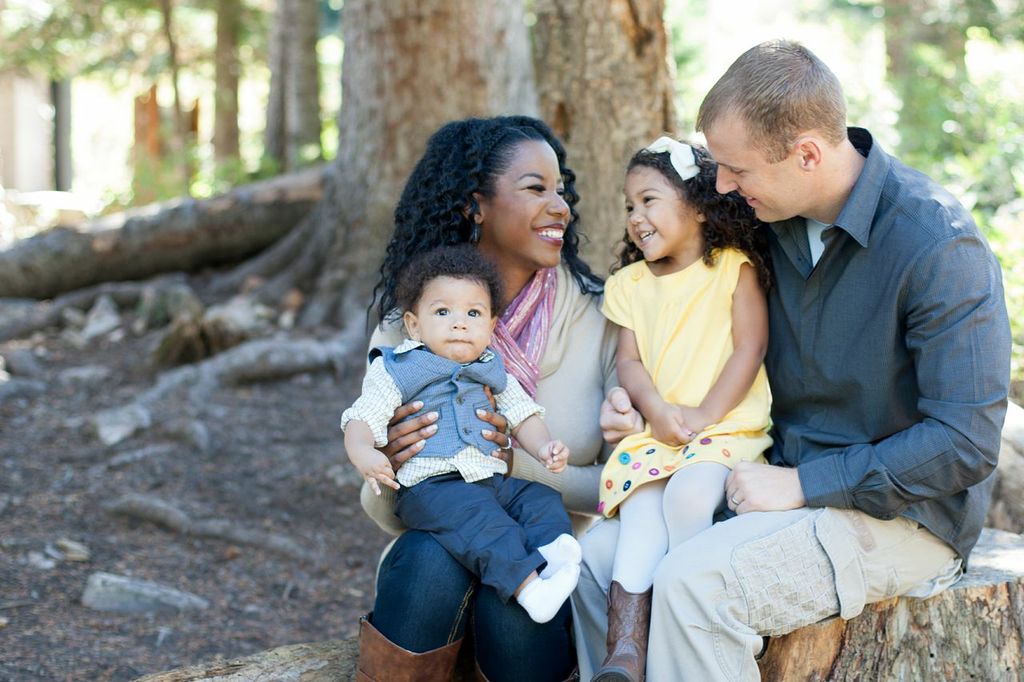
561, 551
542, 597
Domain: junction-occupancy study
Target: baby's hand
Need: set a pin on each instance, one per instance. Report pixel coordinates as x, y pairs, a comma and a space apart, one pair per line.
375, 467
555, 456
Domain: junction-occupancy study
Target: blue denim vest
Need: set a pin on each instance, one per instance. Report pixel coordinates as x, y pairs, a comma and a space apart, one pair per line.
453, 390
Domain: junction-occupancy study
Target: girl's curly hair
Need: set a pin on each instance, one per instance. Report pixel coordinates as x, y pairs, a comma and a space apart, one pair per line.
437, 205
728, 220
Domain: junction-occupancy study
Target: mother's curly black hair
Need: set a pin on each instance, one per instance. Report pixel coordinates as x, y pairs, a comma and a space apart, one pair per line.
437, 206
728, 219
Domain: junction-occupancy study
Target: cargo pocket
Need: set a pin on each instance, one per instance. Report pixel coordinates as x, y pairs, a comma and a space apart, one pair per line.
786, 579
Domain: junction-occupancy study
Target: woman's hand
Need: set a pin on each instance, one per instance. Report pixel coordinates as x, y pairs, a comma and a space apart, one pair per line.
618, 417
406, 438
499, 436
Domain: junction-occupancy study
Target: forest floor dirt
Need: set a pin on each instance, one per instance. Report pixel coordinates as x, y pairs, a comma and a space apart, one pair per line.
274, 464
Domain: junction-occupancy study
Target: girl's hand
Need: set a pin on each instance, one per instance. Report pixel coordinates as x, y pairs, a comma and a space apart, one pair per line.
406, 438
375, 468
696, 419
618, 416
555, 456
669, 426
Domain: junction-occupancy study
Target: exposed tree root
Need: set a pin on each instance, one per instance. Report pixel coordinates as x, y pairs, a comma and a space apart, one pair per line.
166, 515
49, 313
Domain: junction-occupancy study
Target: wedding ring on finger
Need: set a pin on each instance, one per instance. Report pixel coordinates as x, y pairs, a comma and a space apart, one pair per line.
734, 501
508, 442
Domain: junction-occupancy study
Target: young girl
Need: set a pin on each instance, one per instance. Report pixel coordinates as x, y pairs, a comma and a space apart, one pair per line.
514, 534
689, 299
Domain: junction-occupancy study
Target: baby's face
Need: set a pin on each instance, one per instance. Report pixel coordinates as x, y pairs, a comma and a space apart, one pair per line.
452, 318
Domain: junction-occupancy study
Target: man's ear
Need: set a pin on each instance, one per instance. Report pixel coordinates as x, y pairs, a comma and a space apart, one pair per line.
412, 325
807, 150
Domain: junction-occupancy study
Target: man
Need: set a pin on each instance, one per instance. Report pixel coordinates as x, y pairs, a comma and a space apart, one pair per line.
889, 365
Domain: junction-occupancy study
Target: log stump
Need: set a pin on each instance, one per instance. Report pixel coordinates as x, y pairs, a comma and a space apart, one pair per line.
973, 631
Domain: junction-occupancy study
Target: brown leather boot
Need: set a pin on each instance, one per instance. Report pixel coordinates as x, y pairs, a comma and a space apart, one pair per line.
380, 660
629, 619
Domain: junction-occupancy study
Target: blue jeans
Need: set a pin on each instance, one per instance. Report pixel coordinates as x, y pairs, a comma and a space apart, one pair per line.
426, 599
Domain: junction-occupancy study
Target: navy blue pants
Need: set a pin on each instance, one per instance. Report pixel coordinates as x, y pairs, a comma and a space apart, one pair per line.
492, 527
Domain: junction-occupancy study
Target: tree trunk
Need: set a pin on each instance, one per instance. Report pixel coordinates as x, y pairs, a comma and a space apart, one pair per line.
179, 235
179, 150
302, 85
409, 66
606, 89
273, 132
227, 68
975, 630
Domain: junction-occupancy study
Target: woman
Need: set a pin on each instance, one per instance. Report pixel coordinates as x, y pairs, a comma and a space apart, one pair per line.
502, 185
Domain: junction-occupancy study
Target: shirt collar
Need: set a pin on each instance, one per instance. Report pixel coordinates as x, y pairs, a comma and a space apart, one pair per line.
858, 212
410, 344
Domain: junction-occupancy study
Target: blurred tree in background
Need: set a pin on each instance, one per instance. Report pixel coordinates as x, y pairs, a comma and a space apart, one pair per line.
946, 95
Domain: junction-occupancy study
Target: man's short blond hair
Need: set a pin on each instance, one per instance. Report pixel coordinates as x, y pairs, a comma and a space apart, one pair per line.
780, 89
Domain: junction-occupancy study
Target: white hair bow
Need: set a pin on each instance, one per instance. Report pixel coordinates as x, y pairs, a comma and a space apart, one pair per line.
680, 154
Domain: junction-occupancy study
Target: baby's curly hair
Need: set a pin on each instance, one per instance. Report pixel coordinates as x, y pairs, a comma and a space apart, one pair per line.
458, 262
728, 220
437, 207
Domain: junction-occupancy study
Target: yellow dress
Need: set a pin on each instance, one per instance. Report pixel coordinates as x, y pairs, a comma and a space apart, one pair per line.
683, 327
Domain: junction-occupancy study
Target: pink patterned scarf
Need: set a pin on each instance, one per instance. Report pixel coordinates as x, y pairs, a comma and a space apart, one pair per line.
522, 332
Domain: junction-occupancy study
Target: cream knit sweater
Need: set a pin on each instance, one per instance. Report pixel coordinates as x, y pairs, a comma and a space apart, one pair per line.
576, 372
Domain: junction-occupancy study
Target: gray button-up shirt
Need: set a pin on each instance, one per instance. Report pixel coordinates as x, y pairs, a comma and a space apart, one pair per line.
889, 359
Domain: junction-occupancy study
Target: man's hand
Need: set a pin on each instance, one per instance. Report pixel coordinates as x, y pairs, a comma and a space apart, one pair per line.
762, 487
618, 417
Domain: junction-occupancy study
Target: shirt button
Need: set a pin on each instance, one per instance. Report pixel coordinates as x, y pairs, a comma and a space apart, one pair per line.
460, 400
465, 430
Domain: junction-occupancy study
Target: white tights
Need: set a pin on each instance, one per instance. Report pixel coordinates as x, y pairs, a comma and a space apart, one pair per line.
658, 516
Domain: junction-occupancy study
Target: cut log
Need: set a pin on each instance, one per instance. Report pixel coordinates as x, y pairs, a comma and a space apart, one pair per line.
974, 630
176, 235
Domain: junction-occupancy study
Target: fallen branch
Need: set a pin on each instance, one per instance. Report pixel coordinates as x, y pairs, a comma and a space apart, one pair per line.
183, 234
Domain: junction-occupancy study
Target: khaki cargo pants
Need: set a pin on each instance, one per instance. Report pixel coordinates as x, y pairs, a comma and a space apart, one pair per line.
762, 573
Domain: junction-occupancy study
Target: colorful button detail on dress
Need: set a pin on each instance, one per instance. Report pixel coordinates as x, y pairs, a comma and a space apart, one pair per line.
627, 485
624, 458
705, 441
653, 472
608, 484
650, 451
726, 452
637, 465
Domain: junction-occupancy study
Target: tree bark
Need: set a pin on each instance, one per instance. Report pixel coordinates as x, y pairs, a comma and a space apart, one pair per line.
409, 66
302, 85
975, 630
184, 234
274, 130
227, 69
606, 89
